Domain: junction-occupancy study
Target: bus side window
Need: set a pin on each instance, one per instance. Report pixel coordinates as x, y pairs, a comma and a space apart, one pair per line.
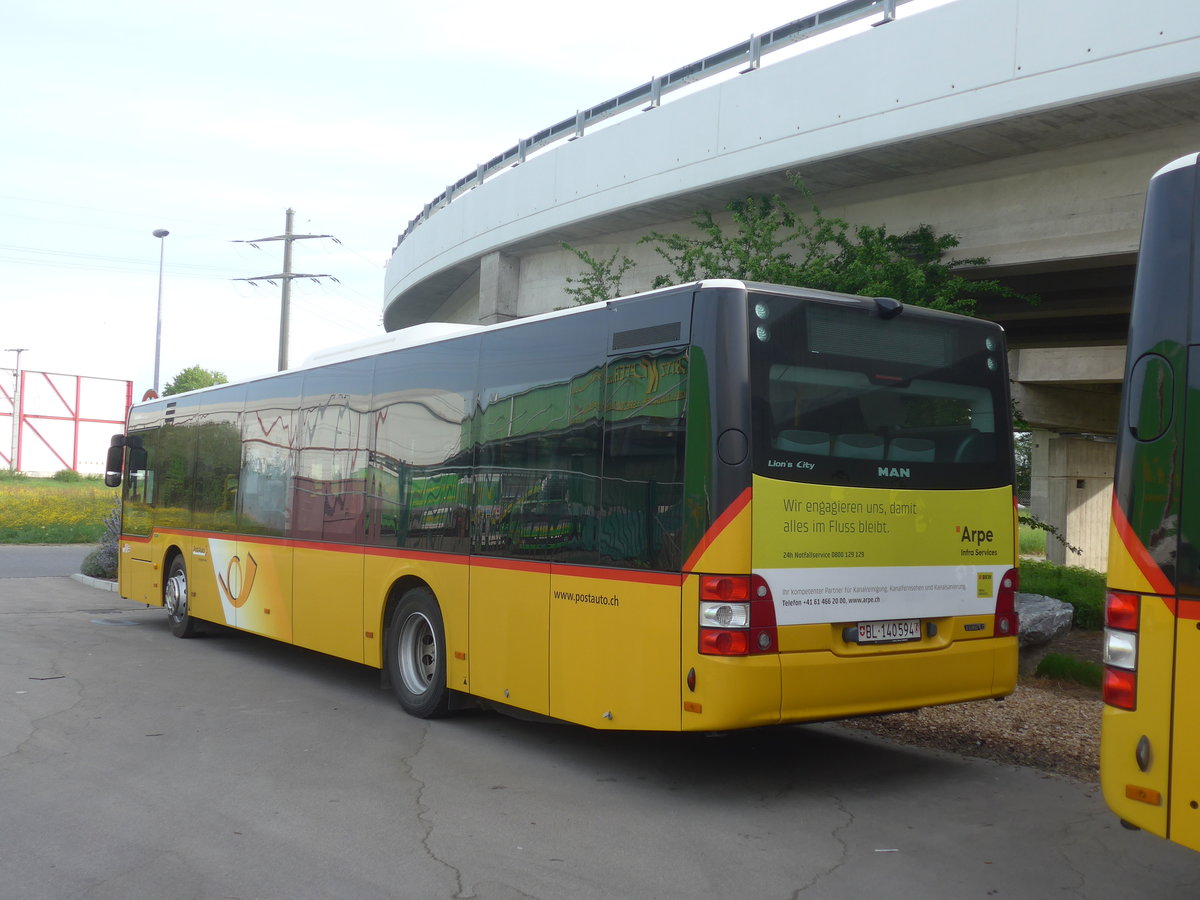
141, 453
135, 484
1151, 383
641, 516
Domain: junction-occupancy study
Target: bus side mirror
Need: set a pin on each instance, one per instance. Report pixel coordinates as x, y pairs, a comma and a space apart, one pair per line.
112, 463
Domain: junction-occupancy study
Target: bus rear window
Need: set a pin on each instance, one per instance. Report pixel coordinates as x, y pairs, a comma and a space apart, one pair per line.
843, 396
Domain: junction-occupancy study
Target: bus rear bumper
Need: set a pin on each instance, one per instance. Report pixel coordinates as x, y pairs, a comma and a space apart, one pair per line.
813, 686
820, 685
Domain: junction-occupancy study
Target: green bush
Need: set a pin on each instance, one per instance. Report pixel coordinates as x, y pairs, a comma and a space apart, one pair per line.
102, 562
1082, 588
1062, 667
70, 476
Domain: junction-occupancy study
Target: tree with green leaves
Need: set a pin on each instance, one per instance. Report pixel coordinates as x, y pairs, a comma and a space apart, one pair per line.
771, 243
601, 280
192, 378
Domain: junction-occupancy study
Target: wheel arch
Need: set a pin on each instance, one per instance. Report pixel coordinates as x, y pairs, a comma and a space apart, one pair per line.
399, 588
172, 551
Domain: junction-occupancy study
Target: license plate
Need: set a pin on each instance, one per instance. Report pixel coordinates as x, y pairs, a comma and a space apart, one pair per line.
889, 631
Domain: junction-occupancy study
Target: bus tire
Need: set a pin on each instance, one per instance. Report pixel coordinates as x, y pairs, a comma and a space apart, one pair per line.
175, 600
416, 657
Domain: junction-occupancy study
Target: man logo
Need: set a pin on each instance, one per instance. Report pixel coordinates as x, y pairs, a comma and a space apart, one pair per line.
894, 472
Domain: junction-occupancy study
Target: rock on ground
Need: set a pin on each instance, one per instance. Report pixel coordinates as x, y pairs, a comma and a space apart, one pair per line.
1042, 619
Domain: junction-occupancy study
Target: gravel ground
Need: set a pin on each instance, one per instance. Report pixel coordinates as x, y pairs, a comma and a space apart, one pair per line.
1044, 724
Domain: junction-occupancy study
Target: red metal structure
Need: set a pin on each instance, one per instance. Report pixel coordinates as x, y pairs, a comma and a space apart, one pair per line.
58, 421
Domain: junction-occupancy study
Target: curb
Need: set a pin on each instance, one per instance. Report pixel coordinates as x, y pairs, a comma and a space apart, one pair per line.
95, 582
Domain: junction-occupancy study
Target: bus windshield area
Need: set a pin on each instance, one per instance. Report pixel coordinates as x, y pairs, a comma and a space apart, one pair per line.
843, 395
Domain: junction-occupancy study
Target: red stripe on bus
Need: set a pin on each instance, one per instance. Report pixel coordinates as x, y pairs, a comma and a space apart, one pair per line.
666, 579
1138, 552
299, 544
731, 512
225, 536
1189, 609
510, 565
398, 553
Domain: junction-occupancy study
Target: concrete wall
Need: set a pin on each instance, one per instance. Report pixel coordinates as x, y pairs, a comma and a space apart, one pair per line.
1072, 490
940, 71
1075, 203
1079, 203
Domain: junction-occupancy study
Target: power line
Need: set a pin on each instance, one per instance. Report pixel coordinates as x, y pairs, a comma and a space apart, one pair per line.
285, 277
118, 269
366, 328
100, 209
59, 255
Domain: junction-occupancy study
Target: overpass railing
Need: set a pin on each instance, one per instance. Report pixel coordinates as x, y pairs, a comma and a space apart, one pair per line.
649, 95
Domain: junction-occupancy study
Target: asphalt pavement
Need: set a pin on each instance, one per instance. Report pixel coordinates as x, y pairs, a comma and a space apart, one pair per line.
41, 560
135, 764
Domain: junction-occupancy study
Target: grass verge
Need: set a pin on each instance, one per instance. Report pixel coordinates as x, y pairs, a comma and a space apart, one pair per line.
58, 510
1031, 541
1082, 588
1064, 667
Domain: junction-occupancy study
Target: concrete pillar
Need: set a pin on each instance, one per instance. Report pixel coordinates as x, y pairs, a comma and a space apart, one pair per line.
1040, 503
499, 279
1071, 489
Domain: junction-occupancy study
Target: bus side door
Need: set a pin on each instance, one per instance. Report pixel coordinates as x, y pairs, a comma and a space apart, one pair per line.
509, 632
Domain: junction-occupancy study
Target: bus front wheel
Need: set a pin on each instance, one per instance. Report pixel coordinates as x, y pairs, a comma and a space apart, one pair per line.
417, 655
175, 600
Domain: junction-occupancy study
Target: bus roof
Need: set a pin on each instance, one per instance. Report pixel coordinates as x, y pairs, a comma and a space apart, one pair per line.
433, 332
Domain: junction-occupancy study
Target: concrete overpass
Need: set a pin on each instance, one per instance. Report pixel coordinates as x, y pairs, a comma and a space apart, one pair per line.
1029, 128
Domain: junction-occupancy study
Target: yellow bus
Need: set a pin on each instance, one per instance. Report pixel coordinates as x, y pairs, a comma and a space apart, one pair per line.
1150, 735
707, 507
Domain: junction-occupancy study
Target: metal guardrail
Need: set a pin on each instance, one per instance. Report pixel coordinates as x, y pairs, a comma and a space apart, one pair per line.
748, 53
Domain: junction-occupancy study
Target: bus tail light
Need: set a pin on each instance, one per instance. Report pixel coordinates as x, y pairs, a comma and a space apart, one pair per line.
724, 642
1007, 623
1120, 688
1122, 611
737, 616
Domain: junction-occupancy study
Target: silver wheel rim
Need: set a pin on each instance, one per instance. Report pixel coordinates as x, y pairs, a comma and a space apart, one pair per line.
418, 652
176, 595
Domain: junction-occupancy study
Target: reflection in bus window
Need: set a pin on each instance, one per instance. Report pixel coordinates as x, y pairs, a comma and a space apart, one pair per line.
418, 476
329, 498
642, 497
268, 455
538, 434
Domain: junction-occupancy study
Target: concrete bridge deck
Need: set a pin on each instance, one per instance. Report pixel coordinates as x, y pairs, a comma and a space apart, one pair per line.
1029, 128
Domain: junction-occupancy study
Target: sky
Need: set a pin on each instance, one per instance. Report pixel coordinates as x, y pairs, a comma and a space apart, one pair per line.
210, 120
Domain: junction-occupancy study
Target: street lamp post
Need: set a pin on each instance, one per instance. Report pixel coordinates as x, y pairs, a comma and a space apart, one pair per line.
159, 233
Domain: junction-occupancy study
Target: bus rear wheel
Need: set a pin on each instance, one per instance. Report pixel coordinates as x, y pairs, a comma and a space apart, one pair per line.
175, 601
416, 656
